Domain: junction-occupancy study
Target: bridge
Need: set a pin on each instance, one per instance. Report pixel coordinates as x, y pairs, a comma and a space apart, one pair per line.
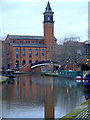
44, 63
37, 65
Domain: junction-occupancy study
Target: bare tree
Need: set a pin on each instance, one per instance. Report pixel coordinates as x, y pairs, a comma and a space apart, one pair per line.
6, 54
71, 51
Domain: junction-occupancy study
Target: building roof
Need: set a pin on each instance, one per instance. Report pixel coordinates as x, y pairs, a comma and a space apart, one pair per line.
28, 45
25, 37
48, 8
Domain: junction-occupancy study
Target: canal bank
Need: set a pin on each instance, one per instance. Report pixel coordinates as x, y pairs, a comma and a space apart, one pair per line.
60, 73
3, 79
80, 113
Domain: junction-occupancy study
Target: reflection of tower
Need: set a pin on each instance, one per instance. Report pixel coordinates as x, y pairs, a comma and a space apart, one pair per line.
44, 92
49, 102
49, 105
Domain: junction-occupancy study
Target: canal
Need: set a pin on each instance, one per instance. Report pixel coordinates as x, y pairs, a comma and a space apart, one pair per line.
40, 97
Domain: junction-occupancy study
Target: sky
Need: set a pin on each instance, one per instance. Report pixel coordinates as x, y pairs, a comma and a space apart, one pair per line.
25, 17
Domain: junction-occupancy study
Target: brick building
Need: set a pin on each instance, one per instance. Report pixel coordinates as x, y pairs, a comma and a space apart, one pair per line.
28, 49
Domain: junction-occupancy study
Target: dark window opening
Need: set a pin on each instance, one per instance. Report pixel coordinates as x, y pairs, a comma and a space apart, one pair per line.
17, 64
36, 60
14, 41
30, 61
23, 62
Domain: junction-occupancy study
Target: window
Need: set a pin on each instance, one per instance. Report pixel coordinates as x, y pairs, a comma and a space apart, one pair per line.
27, 41
17, 53
48, 18
14, 41
30, 61
42, 52
17, 64
36, 52
41, 42
23, 51
21, 41
23, 62
36, 60
33, 41
30, 53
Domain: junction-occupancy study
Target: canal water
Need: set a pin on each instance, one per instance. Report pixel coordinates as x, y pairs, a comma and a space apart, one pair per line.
38, 96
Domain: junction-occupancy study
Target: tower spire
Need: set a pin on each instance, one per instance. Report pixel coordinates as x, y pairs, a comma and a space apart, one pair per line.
48, 8
48, 14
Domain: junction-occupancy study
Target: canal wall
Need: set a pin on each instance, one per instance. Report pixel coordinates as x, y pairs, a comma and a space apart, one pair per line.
80, 113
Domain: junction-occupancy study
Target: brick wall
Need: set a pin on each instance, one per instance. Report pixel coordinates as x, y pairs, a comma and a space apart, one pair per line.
26, 68
26, 57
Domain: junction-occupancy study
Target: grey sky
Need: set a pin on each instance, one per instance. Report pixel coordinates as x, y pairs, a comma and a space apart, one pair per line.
26, 18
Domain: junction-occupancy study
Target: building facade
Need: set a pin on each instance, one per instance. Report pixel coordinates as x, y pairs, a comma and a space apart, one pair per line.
30, 49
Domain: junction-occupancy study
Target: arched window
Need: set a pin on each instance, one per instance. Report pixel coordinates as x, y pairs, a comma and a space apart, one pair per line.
36, 60
30, 61
23, 62
23, 51
17, 53
17, 64
36, 52
48, 18
30, 53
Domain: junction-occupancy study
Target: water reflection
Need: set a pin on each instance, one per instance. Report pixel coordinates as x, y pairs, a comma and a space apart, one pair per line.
40, 97
87, 93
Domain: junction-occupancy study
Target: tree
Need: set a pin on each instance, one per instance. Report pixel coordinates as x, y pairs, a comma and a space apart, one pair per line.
71, 51
6, 54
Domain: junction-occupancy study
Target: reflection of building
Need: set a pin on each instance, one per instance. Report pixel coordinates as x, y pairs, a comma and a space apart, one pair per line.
28, 49
28, 89
49, 94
